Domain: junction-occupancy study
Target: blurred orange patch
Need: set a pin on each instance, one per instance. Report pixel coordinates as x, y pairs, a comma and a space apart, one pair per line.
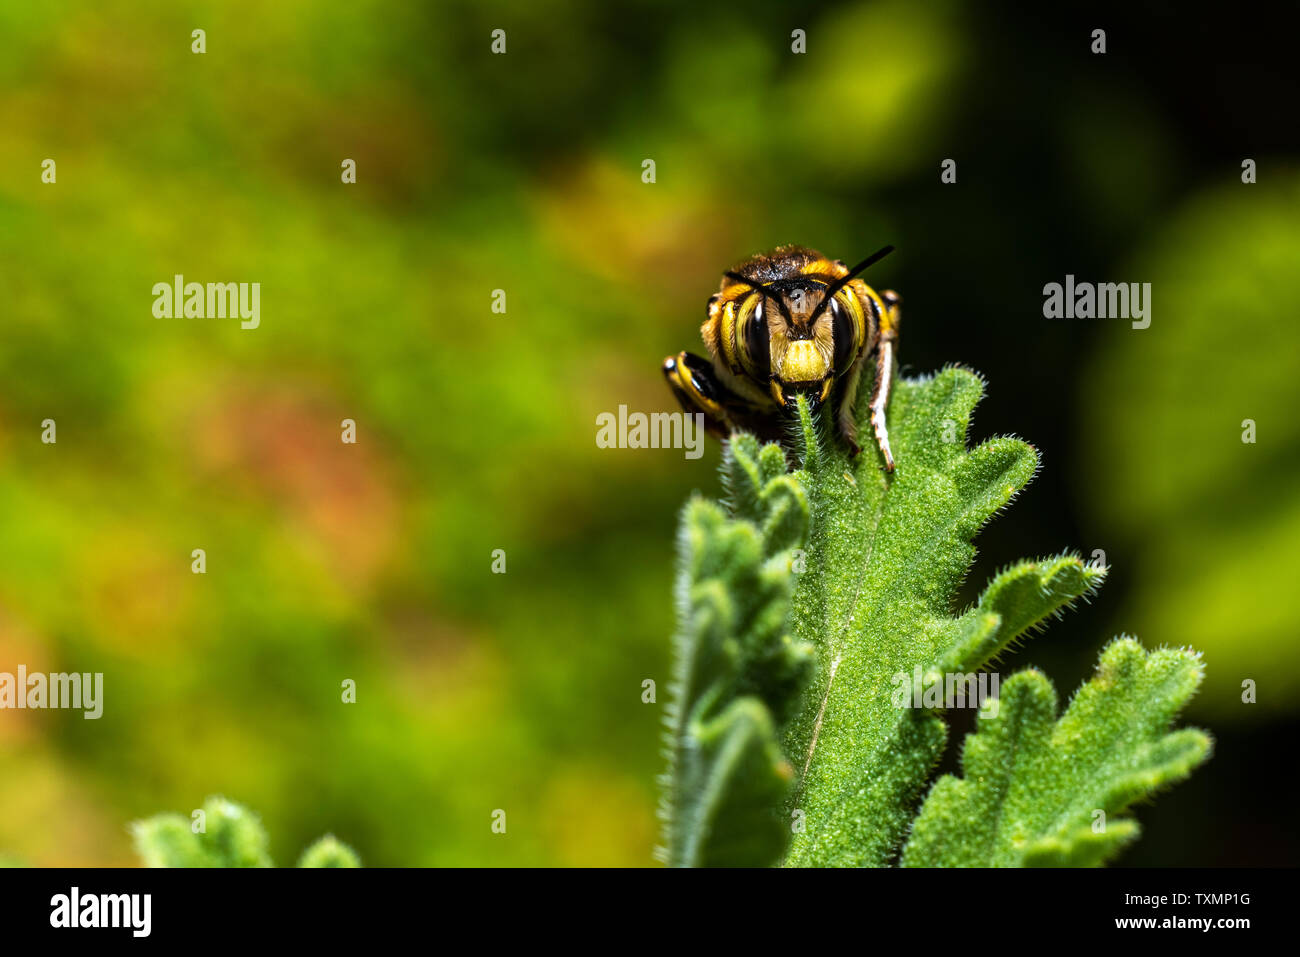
285, 447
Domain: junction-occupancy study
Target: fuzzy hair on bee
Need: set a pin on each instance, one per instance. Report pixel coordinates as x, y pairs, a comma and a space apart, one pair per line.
788, 323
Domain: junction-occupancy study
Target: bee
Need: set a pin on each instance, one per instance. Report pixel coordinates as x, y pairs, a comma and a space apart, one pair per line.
788, 323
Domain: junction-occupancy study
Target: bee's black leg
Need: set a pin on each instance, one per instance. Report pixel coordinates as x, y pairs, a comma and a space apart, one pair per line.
698, 390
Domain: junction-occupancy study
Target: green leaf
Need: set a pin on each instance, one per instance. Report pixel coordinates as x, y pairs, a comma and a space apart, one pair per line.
1041, 792
235, 836
738, 675
231, 836
329, 851
815, 600
165, 840
886, 556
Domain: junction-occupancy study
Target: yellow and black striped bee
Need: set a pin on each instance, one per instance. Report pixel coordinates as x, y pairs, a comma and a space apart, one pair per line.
786, 323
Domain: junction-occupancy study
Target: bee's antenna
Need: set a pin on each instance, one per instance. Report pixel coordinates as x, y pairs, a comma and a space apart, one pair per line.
843, 281
764, 292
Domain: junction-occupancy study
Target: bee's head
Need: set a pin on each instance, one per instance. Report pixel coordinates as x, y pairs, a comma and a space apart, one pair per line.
802, 339
800, 332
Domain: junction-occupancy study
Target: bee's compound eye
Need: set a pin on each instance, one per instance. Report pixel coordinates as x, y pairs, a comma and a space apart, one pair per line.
757, 347
846, 346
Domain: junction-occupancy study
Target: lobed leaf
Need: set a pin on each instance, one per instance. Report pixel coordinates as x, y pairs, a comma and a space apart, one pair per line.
1041, 792
738, 673
886, 556
329, 851
814, 595
231, 836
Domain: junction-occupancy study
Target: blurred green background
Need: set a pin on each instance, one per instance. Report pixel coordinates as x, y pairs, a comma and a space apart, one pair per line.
522, 172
